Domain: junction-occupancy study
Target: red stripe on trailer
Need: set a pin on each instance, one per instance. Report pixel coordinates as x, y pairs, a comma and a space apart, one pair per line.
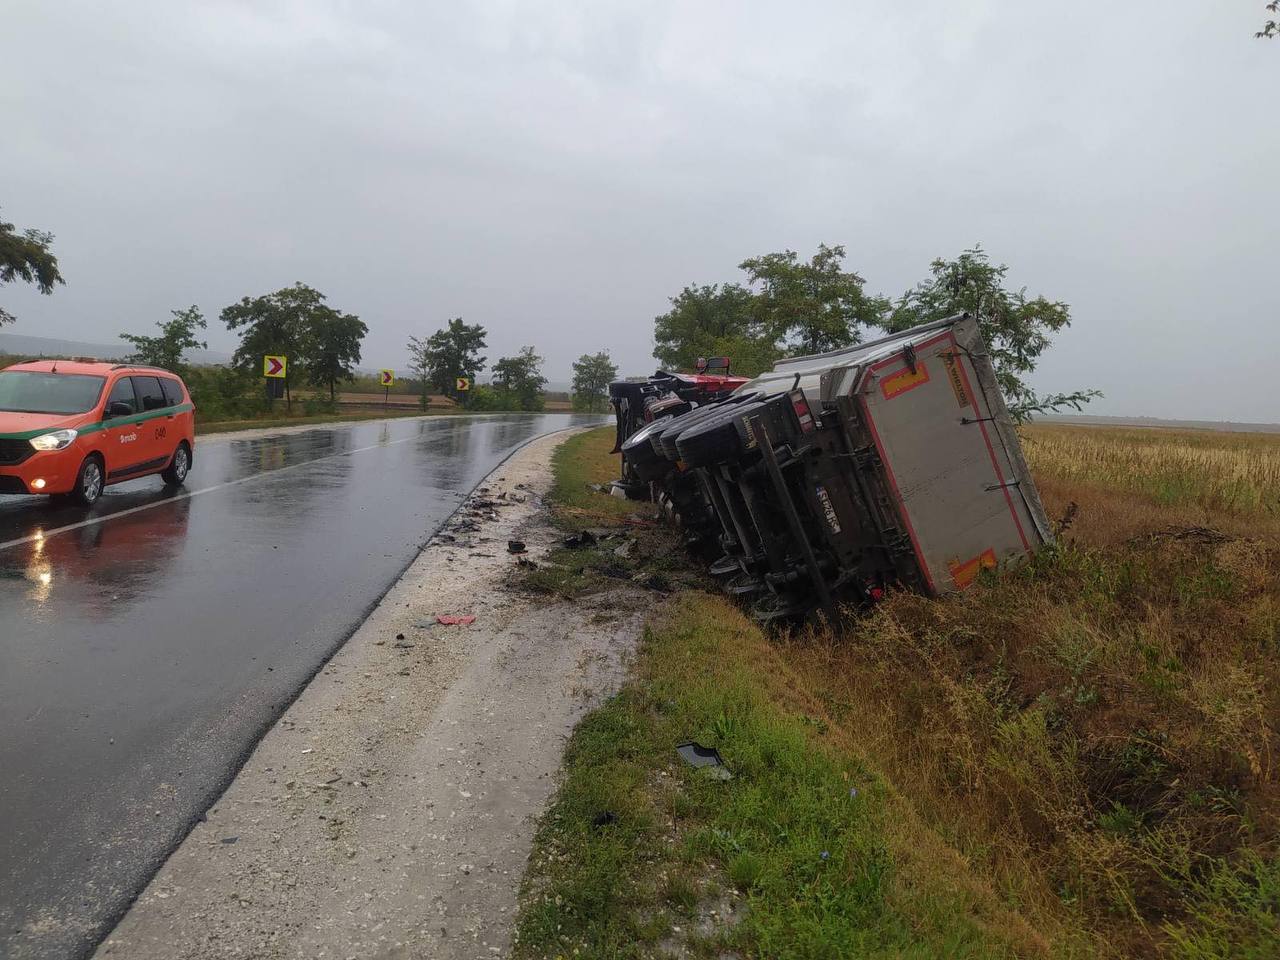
991, 451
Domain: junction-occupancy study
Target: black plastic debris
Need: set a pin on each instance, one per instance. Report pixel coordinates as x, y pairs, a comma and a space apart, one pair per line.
527, 563
604, 818
696, 755
516, 546
584, 539
229, 839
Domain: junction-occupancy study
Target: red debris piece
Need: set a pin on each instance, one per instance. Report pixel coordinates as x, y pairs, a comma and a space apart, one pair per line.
452, 620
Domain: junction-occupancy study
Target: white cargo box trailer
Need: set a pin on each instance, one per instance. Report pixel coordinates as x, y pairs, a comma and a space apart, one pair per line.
934, 448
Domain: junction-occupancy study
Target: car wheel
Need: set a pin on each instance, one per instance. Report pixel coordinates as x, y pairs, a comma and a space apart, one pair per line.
89, 482
175, 474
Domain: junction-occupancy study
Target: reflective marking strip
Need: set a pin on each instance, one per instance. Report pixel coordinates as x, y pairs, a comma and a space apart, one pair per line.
965, 573
899, 382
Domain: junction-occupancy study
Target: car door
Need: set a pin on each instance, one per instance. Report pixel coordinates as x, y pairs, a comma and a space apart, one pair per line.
176, 398
155, 424
120, 444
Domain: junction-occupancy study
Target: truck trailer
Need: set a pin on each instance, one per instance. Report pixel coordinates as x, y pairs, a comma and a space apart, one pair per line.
837, 476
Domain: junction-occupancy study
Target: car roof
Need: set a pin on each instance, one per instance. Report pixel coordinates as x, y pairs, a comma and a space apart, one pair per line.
97, 368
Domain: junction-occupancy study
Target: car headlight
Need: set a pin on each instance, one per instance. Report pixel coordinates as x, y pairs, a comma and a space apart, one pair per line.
58, 440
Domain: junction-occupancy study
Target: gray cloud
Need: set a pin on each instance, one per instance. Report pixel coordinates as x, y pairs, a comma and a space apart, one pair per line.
555, 171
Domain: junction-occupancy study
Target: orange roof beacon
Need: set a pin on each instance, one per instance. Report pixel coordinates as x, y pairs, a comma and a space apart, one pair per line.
72, 427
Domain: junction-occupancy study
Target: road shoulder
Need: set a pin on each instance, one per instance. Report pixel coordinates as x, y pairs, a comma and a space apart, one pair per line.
391, 810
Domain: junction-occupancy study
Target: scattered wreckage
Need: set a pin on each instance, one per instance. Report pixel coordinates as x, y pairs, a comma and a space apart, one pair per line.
835, 476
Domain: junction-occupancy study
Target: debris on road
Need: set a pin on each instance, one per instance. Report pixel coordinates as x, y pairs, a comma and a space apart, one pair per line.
454, 620
516, 546
584, 539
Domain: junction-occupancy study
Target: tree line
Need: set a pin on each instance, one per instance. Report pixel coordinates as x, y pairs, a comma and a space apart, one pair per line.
787, 306
323, 346
784, 306
453, 353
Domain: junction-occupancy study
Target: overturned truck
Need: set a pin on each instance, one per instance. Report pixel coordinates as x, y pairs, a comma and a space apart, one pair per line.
836, 476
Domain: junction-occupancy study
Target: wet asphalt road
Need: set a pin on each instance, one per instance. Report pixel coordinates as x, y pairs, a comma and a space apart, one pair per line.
142, 653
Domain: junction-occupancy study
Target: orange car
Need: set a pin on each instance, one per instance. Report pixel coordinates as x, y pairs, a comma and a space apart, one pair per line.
71, 427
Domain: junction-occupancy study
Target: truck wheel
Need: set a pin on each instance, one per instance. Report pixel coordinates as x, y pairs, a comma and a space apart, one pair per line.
89, 481
175, 474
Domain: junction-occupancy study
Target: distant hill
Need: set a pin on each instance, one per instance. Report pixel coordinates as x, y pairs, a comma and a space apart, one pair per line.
1230, 426
27, 346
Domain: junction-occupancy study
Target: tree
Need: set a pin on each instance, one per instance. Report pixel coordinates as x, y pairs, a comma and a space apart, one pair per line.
25, 256
1272, 27
177, 336
485, 399
811, 307
713, 321
519, 379
450, 353
275, 323
1017, 329
420, 366
790, 306
592, 374
331, 347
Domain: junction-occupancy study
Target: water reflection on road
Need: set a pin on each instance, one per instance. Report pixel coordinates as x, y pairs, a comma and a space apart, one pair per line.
146, 644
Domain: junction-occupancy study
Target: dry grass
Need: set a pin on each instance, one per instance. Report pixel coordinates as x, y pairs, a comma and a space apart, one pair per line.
1077, 759
1235, 473
1096, 734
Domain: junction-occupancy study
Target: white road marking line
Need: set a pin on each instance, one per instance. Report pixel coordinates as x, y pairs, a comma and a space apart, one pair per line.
93, 521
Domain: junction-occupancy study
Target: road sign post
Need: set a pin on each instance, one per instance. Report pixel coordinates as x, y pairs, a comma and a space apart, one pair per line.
275, 369
388, 381
462, 385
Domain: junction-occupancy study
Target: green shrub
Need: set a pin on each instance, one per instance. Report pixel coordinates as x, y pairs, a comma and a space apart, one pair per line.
224, 393
316, 405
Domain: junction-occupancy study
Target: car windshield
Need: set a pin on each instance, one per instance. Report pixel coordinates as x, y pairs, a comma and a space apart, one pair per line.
28, 392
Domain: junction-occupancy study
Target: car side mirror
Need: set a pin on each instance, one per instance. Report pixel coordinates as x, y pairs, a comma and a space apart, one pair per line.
118, 408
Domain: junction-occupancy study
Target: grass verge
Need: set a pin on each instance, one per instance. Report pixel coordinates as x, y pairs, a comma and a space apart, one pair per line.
790, 857
801, 853
1075, 759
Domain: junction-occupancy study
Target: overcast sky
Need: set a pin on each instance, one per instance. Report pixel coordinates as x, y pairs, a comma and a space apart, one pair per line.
556, 171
